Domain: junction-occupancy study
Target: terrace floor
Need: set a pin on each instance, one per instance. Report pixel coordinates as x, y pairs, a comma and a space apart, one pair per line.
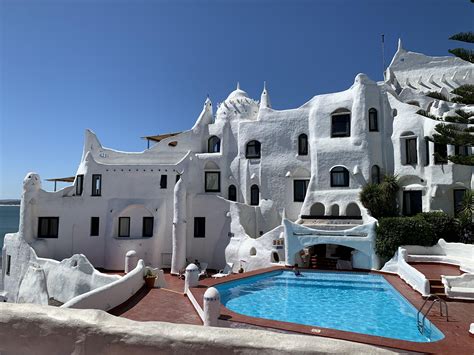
434, 271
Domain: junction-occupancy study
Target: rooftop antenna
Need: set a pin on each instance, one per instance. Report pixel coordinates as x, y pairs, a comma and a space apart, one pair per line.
383, 55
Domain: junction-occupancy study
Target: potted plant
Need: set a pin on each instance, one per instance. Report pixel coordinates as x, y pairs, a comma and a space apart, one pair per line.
150, 279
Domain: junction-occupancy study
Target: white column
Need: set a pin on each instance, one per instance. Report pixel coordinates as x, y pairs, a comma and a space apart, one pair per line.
212, 305
131, 260
191, 277
178, 258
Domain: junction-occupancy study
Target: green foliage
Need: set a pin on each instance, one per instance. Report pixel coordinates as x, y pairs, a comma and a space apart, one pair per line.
381, 199
461, 117
444, 226
465, 218
437, 95
393, 232
465, 54
465, 94
427, 114
463, 37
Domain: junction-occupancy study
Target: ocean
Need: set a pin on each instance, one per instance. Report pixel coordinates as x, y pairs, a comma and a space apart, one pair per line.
9, 220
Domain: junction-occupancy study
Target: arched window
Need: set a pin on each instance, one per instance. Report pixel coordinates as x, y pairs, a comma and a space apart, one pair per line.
341, 123
373, 120
254, 195
232, 193
375, 174
214, 145
252, 150
303, 144
339, 177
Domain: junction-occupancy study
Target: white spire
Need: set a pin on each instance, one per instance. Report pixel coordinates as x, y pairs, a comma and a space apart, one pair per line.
265, 98
238, 85
400, 46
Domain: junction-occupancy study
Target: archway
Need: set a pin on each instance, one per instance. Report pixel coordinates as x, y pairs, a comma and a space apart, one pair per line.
317, 209
325, 257
335, 210
352, 210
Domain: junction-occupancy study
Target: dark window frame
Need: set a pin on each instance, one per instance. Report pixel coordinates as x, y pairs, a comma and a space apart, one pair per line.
297, 197
96, 191
373, 120
79, 184
461, 150
254, 195
257, 154
339, 170
9, 265
123, 235
337, 117
199, 227
303, 147
427, 151
408, 160
440, 154
164, 181
232, 195
375, 172
407, 196
214, 144
458, 204
206, 174
146, 220
49, 233
178, 176
95, 227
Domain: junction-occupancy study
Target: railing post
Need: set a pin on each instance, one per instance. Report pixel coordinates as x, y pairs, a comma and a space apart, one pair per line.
191, 277
212, 305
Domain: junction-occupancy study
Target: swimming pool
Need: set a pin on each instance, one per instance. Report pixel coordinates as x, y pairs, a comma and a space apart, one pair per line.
349, 301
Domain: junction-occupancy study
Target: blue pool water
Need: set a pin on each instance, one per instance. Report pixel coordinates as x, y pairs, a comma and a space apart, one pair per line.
353, 302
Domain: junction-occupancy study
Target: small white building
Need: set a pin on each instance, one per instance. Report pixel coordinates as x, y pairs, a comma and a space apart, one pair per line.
252, 185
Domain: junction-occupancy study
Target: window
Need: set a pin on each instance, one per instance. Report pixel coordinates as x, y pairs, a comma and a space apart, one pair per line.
148, 226
124, 227
339, 177
199, 227
411, 151
458, 198
9, 263
48, 227
427, 151
79, 184
373, 120
95, 226
375, 174
462, 150
96, 184
299, 190
213, 181
254, 195
163, 181
178, 177
303, 144
341, 124
232, 193
412, 203
252, 150
440, 153
214, 145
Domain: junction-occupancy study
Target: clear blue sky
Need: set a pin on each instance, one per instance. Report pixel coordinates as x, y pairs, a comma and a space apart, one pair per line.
131, 68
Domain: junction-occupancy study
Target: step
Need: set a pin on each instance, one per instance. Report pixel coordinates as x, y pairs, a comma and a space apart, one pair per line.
435, 282
436, 289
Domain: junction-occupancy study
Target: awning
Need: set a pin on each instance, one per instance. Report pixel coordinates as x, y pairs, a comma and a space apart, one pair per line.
63, 179
160, 137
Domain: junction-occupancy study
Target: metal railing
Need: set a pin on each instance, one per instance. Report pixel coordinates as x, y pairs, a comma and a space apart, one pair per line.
421, 322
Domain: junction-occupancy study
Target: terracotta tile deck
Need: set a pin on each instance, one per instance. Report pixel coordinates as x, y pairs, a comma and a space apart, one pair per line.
434, 271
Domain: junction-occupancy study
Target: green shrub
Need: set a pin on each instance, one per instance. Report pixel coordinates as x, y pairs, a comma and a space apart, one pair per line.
381, 199
443, 226
437, 95
393, 232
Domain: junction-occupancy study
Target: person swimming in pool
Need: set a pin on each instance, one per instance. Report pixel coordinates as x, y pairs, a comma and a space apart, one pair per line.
296, 270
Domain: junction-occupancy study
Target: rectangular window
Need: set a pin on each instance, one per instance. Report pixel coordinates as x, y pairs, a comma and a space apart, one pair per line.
427, 152
96, 184
461, 150
341, 125
299, 190
411, 151
79, 184
441, 153
124, 227
213, 181
178, 177
9, 262
148, 226
48, 227
458, 198
95, 226
199, 227
412, 203
164, 181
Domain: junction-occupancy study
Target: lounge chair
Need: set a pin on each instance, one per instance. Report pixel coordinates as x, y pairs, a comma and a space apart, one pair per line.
225, 272
203, 271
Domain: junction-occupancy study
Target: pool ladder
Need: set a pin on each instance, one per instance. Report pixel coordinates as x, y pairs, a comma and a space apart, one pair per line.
421, 316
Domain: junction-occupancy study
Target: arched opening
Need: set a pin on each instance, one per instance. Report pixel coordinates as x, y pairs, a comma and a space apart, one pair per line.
317, 209
326, 257
335, 210
352, 210
339, 177
254, 195
253, 251
375, 174
252, 150
302, 144
214, 145
341, 123
275, 257
232, 195
373, 120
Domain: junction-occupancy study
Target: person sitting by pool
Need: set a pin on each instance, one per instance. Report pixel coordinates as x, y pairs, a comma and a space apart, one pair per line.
296, 271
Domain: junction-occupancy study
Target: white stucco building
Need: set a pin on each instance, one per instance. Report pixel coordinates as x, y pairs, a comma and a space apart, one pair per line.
252, 185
